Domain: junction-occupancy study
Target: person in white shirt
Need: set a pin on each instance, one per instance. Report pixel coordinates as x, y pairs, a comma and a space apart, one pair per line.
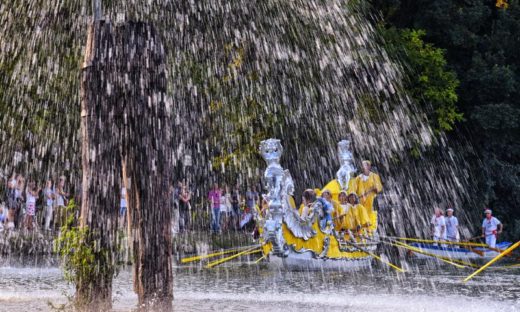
48, 193
438, 226
491, 228
225, 208
452, 226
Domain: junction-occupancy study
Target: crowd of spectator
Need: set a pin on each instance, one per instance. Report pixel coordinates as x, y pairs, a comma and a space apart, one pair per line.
232, 209
31, 205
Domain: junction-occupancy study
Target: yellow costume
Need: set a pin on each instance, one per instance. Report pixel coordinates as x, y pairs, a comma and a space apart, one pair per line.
349, 217
344, 218
361, 215
336, 206
367, 188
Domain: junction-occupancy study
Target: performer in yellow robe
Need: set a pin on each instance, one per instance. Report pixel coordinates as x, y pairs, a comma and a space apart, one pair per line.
351, 215
368, 185
352, 184
344, 217
359, 212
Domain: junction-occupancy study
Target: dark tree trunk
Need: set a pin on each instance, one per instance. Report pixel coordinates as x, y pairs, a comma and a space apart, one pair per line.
127, 122
101, 164
148, 164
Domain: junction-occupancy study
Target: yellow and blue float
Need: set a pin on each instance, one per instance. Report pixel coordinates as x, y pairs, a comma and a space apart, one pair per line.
295, 242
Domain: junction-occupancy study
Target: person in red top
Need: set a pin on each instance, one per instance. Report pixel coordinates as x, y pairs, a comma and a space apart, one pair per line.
214, 199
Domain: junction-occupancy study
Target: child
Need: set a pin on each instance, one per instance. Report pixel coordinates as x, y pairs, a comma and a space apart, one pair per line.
31, 194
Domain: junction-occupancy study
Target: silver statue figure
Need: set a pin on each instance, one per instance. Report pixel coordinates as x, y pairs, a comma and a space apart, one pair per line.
347, 169
271, 151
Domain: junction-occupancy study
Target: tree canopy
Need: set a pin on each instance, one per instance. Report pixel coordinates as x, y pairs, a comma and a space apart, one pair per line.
481, 40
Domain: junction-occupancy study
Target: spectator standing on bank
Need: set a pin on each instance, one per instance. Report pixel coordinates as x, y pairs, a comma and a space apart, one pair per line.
235, 206
174, 209
12, 203
184, 208
214, 199
252, 199
48, 194
19, 196
31, 194
62, 200
225, 208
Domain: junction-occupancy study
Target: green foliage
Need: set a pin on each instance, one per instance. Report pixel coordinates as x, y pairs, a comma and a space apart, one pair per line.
77, 255
82, 259
430, 83
480, 43
416, 151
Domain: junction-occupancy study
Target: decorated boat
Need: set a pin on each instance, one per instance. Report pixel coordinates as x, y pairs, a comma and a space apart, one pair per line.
428, 251
294, 242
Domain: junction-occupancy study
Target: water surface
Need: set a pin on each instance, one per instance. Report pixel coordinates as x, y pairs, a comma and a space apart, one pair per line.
243, 287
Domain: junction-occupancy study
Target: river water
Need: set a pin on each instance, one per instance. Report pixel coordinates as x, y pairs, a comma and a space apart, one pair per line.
248, 287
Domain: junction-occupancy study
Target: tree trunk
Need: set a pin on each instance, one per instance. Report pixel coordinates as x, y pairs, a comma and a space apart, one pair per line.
100, 165
147, 159
126, 122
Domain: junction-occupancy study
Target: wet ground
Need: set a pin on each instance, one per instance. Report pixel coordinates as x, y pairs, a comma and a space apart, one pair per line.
248, 287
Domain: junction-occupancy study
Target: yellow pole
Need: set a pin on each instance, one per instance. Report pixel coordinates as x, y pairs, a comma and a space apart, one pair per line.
386, 262
196, 258
260, 259
505, 252
243, 253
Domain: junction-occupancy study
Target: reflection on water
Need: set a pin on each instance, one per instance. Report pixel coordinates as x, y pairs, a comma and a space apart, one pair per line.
240, 287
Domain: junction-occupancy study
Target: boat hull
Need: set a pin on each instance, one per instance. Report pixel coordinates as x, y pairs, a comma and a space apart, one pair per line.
457, 253
307, 261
